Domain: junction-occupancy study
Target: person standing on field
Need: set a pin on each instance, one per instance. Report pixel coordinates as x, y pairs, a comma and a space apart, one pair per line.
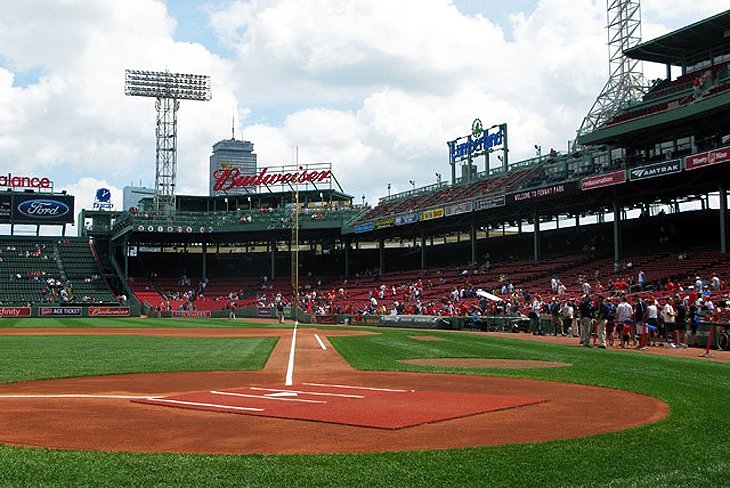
586, 320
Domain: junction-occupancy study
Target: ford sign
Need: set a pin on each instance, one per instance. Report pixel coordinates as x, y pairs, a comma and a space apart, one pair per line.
43, 209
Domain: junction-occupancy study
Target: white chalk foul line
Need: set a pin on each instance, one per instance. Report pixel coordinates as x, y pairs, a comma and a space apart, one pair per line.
79, 395
228, 393
358, 387
314, 393
214, 405
290, 367
321, 344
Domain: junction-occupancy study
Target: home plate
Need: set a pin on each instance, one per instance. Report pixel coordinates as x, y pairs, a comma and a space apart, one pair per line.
362, 406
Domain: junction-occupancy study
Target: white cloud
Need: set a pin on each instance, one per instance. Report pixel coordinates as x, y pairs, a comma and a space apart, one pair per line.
376, 88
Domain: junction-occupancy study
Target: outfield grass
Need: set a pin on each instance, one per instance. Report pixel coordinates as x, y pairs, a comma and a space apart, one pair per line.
690, 448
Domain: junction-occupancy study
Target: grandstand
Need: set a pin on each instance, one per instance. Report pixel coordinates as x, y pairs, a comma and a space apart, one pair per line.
48, 271
635, 189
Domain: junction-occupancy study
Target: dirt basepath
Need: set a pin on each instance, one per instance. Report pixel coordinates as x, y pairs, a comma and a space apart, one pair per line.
117, 424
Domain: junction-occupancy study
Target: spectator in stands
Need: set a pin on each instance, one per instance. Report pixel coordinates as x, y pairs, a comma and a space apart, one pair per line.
586, 287
715, 283
641, 280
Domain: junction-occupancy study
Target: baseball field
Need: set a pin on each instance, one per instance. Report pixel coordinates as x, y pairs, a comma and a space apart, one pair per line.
148, 402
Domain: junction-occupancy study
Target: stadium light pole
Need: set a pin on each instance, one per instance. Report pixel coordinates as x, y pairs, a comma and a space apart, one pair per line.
168, 88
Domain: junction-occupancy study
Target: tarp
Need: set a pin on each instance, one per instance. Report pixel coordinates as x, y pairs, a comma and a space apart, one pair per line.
488, 296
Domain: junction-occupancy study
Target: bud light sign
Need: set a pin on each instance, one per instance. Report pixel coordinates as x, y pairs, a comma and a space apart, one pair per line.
43, 209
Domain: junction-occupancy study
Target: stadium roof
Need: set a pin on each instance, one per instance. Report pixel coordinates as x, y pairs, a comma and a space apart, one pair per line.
687, 43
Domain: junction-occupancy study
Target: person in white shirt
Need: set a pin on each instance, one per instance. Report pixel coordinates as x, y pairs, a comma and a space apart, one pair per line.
668, 315
652, 320
568, 313
586, 288
535, 312
624, 317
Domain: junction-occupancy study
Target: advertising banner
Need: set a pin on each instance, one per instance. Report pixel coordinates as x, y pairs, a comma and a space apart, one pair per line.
264, 312
406, 219
707, 158
9, 312
656, 169
191, 313
382, 223
108, 311
435, 213
59, 311
600, 181
489, 202
458, 208
37, 208
542, 193
366, 227
6, 207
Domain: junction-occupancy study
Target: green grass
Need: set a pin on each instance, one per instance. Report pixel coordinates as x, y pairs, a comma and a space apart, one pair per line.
35, 357
690, 448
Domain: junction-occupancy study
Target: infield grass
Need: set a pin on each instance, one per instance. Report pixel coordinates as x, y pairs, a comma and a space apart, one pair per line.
690, 448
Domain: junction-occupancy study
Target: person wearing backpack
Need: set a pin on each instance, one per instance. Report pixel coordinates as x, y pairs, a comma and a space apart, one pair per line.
601, 321
554, 310
610, 320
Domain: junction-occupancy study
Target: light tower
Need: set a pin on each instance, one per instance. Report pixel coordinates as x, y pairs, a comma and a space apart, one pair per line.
168, 88
625, 82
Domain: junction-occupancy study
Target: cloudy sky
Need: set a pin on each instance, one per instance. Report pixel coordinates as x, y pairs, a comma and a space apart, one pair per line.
375, 87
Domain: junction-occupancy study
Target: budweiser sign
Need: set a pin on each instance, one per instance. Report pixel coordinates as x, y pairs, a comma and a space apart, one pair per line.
230, 178
109, 311
13, 181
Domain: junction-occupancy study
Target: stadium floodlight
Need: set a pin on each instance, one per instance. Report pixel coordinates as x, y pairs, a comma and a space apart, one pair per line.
625, 83
168, 88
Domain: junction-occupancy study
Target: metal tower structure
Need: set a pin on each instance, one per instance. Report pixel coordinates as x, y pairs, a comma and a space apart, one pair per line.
626, 81
168, 89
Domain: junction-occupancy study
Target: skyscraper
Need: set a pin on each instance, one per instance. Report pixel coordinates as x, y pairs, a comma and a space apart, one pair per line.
231, 153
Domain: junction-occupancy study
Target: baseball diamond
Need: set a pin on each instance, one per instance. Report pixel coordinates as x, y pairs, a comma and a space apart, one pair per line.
378, 292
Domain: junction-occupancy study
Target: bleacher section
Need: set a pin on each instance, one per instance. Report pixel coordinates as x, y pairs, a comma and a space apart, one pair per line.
528, 278
683, 90
37, 270
501, 183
